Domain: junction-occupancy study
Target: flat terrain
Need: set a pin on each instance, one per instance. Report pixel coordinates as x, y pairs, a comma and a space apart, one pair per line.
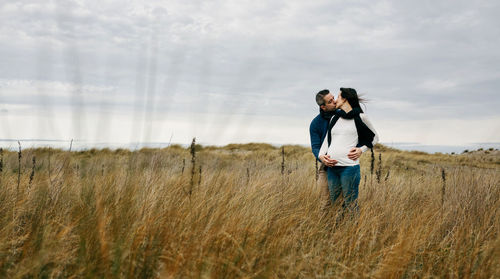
245, 211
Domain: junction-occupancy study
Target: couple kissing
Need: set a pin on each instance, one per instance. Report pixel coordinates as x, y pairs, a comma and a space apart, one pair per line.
340, 134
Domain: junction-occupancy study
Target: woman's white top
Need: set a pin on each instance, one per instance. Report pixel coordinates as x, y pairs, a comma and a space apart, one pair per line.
345, 137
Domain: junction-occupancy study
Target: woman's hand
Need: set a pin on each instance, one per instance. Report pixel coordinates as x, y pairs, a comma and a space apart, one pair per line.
354, 153
325, 159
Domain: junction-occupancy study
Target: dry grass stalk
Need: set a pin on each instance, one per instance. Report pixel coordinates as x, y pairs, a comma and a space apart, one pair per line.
372, 167
49, 167
18, 168
248, 175
32, 175
282, 160
316, 169
193, 165
199, 179
372, 162
387, 175
443, 187
378, 172
1, 160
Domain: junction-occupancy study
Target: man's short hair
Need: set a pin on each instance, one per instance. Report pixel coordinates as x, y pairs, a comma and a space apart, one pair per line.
320, 97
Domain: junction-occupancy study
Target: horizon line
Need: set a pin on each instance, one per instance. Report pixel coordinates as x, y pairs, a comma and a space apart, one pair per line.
202, 143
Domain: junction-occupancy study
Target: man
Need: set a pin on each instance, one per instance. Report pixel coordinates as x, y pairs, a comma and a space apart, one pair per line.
317, 131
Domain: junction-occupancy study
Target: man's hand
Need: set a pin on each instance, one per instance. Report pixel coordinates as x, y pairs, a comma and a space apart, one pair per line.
354, 153
325, 159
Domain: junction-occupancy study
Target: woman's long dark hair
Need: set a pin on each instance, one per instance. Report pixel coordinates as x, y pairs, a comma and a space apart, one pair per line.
351, 96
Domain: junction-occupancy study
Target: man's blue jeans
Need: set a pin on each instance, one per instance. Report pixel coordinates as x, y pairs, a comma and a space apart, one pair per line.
345, 180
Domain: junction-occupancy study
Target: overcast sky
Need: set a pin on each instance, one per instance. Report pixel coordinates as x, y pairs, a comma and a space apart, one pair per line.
247, 71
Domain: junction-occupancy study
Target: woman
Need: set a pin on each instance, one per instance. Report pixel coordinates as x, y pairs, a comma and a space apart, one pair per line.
350, 133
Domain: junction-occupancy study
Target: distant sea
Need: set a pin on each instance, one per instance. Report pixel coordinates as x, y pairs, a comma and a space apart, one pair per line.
11, 144
442, 148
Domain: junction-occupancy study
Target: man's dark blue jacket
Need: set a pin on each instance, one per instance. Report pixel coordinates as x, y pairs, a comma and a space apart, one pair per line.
317, 131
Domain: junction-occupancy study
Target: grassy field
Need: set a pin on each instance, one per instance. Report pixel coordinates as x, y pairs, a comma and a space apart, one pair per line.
244, 212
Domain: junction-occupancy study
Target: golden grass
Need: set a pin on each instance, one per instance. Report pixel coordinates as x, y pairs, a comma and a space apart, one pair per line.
122, 214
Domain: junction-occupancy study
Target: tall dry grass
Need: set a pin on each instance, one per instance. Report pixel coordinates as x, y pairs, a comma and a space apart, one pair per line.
121, 214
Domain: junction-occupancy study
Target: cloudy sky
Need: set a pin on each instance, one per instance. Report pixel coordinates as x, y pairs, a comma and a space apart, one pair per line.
246, 71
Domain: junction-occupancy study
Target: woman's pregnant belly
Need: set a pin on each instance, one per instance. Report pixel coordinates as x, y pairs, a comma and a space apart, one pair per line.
340, 147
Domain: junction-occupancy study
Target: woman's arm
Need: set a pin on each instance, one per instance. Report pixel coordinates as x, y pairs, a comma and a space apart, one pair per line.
367, 122
325, 159
324, 147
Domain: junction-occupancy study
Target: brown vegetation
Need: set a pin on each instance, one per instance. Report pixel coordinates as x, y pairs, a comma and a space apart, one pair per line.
104, 213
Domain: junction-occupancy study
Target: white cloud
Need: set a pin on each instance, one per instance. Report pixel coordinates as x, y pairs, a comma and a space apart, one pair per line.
438, 85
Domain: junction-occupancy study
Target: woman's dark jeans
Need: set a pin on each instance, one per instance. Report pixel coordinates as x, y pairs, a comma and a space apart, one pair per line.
344, 180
